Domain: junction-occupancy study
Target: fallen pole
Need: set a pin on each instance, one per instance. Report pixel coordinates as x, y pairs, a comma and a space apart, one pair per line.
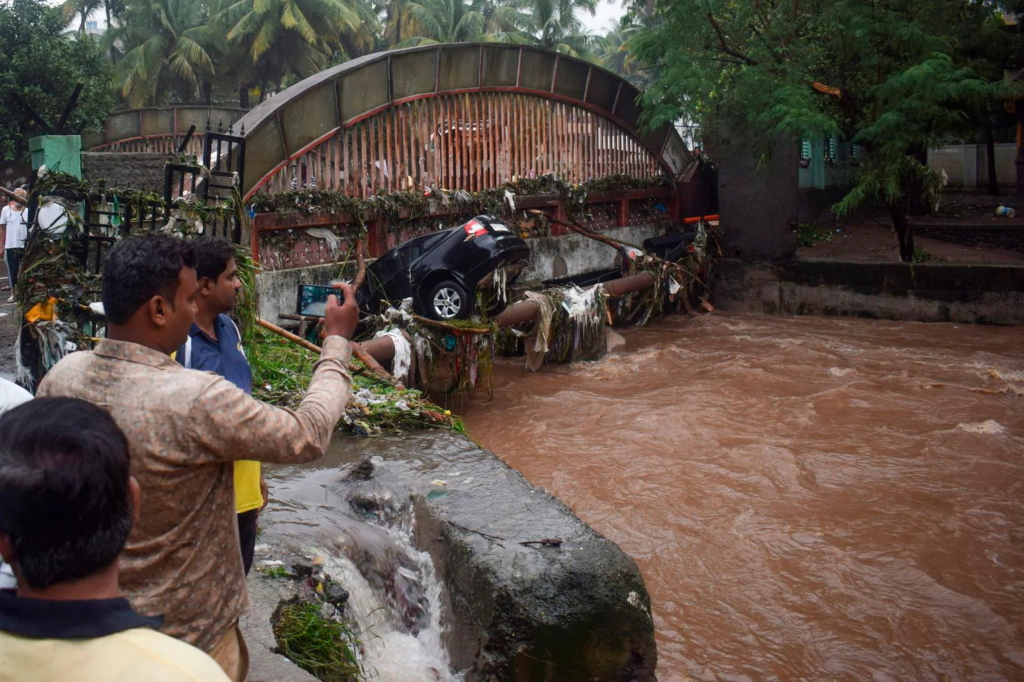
383, 348
365, 352
13, 197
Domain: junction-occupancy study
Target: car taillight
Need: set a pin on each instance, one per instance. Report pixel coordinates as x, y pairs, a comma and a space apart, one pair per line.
474, 229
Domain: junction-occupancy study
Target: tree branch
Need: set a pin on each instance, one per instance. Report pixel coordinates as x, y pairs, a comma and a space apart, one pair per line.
725, 46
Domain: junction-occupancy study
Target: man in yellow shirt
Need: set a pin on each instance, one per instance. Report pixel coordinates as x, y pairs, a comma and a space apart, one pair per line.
215, 345
67, 505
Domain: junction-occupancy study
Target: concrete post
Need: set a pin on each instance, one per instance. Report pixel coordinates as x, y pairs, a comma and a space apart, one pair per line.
58, 153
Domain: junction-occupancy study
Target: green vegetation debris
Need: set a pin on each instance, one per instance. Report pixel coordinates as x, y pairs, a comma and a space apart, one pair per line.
921, 256
322, 647
279, 572
281, 371
809, 235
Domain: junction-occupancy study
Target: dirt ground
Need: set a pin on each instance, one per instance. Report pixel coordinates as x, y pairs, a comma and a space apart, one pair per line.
869, 236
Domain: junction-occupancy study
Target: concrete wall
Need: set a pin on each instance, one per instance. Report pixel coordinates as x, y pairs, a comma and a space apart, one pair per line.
279, 288
759, 204
126, 171
580, 254
573, 613
984, 294
966, 165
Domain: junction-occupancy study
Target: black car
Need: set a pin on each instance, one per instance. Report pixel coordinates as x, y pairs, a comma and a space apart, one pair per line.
442, 271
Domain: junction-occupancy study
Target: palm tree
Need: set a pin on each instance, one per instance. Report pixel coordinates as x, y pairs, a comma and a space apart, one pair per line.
166, 47
614, 53
80, 8
445, 21
307, 31
556, 26
462, 21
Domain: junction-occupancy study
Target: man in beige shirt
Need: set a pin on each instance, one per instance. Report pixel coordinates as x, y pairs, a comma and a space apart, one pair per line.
186, 428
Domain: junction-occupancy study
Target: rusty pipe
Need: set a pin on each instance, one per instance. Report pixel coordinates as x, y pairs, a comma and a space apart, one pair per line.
383, 348
524, 311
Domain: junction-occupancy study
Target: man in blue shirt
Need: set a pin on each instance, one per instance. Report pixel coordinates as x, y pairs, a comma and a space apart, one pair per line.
214, 345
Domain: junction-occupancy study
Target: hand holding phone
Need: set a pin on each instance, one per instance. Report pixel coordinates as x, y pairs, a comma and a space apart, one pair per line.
341, 318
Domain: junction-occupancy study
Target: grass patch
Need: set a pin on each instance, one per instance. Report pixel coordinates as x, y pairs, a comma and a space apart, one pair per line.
324, 648
279, 572
809, 235
921, 256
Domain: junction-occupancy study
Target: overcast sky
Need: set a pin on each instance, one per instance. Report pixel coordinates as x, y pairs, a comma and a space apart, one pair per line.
607, 15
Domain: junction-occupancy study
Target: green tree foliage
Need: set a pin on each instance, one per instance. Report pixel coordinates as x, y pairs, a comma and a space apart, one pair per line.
43, 65
614, 51
459, 21
167, 48
557, 26
272, 41
891, 75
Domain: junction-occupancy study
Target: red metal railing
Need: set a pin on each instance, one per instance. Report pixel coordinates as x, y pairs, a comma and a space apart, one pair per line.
300, 249
467, 141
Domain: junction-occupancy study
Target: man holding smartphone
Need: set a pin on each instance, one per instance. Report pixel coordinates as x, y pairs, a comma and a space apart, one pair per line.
185, 430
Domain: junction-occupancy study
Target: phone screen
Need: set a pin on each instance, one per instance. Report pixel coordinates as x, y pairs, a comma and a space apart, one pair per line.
312, 299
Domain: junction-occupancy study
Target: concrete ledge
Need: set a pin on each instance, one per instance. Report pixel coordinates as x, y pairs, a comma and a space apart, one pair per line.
927, 292
265, 665
581, 254
578, 611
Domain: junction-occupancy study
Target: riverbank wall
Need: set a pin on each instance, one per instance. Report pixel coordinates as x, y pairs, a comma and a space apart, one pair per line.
925, 292
529, 592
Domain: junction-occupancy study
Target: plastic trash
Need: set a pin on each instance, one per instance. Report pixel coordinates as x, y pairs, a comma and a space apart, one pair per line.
1005, 212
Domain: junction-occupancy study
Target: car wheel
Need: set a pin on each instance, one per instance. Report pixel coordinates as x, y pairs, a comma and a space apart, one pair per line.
448, 301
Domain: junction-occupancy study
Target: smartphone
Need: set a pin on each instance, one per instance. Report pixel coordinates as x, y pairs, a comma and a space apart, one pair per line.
312, 299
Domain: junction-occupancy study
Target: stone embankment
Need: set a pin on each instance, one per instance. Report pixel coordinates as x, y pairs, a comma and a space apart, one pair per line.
926, 292
528, 590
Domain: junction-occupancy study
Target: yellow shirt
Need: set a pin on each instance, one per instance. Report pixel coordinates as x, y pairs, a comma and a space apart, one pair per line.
135, 655
247, 486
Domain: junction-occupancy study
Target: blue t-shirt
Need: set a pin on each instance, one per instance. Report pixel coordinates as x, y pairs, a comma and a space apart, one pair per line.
223, 356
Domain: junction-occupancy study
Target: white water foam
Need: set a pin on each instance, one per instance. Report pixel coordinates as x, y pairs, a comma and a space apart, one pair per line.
390, 654
987, 426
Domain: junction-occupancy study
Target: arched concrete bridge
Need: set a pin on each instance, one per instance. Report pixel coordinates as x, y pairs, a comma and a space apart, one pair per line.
461, 116
159, 129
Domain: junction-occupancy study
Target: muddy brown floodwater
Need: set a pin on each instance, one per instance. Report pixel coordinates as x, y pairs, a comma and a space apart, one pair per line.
807, 498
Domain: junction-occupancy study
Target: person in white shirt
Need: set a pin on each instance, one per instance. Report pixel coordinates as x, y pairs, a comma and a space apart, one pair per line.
13, 217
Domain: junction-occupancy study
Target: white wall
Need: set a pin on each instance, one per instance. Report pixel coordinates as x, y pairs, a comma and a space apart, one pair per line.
966, 165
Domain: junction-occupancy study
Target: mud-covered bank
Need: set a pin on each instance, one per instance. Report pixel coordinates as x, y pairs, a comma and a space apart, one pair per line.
528, 591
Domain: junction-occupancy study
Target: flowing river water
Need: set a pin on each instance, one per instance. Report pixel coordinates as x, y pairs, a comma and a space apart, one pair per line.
807, 498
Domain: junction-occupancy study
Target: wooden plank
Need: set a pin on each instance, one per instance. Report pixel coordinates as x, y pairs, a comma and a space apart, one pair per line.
366, 179
481, 141
457, 139
443, 140
345, 141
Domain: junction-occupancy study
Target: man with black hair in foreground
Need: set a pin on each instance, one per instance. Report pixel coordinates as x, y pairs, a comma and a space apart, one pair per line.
215, 345
186, 429
67, 504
